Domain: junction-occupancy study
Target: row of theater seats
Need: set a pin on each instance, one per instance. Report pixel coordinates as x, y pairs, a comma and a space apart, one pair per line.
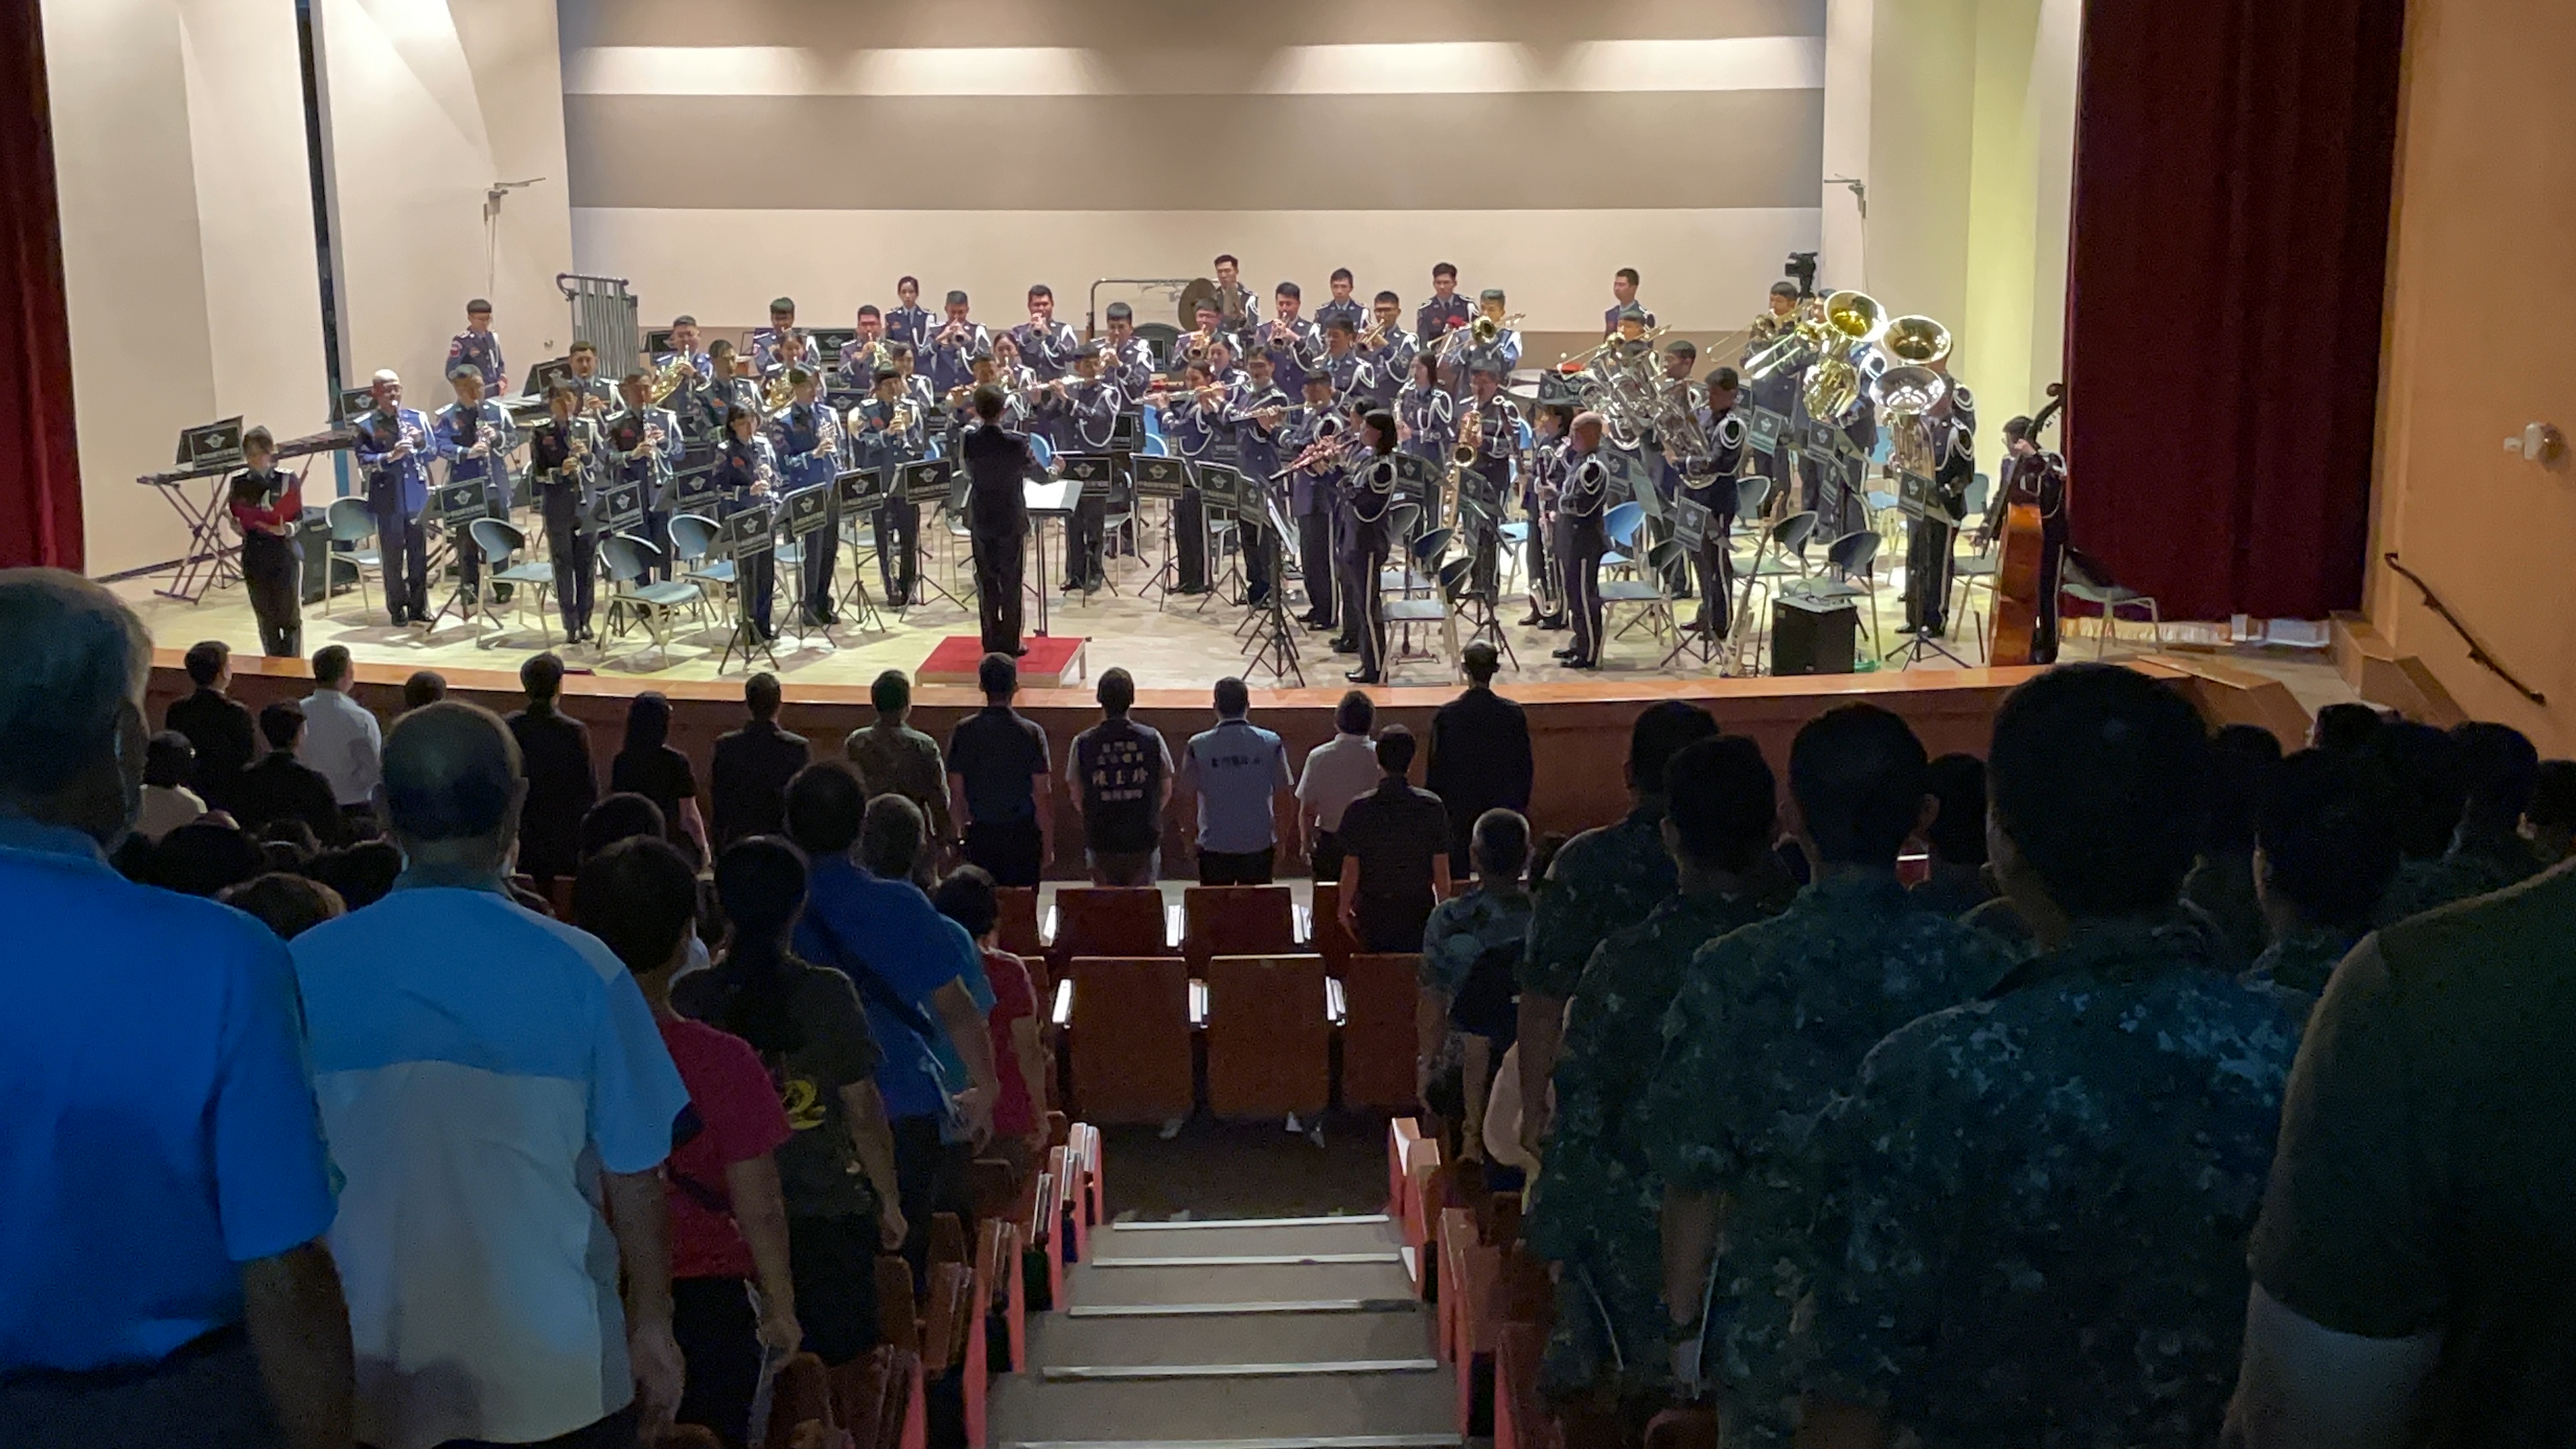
1234, 990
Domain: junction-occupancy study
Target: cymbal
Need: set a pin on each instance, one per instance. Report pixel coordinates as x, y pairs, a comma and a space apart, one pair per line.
1198, 291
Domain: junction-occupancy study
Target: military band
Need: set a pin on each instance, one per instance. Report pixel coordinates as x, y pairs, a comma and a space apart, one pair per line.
475, 437
392, 453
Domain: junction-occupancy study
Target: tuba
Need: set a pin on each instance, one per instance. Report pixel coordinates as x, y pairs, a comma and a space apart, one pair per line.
1906, 397
1916, 341
1850, 321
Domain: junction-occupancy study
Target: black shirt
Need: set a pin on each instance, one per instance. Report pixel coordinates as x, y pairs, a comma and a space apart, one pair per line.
748, 780
220, 728
555, 750
281, 787
1394, 832
1480, 756
661, 775
1122, 782
996, 459
996, 751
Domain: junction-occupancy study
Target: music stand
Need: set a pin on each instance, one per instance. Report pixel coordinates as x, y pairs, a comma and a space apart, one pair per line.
1097, 473
1691, 523
1273, 645
936, 483
1221, 492
808, 511
543, 377
862, 491
1918, 498
746, 534
211, 450
1163, 478
1764, 430
1056, 499
453, 507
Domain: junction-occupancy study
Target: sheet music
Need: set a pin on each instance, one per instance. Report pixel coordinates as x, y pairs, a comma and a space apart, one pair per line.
1057, 497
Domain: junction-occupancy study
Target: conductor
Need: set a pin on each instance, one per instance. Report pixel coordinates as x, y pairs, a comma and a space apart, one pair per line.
997, 518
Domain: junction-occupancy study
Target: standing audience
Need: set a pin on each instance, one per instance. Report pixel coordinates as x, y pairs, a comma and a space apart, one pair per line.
2242, 758
288, 904
282, 786
217, 725
747, 778
1000, 787
2423, 768
425, 686
2551, 816
1237, 773
1121, 773
1336, 772
483, 1072
1480, 753
1019, 1106
893, 758
165, 1282
1471, 954
561, 780
650, 766
168, 762
1395, 853
341, 737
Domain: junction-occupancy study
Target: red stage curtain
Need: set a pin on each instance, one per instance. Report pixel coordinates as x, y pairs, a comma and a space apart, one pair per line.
2233, 169
40, 490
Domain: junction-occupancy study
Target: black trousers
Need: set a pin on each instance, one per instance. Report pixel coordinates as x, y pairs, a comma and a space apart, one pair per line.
930, 1174
207, 1395
1240, 867
1928, 563
1315, 559
1716, 576
2052, 556
719, 1338
403, 544
822, 557
1582, 541
573, 558
1012, 850
757, 581
898, 534
1190, 540
834, 1262
1085, 541
1363, 559
1324, 857
998, 562
273, 575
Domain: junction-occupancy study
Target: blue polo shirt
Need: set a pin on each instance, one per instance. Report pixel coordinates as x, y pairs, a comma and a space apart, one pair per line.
863, 924
1236, 769
161, 1128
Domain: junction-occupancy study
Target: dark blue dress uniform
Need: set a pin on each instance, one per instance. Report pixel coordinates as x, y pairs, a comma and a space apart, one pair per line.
1354, 379
765, 356
1709, 480
807, 439
483, 350
703, 365
1498, 425
1582, 537
1348, 309
1442, 314
1204, 435
1502, 354
1610, 319
1312, 497
1930, 555
1363, 547
1129, 364
1257, 453
627, 431
1083, 419
397, 491
1391, 362
559, 472
1047, 352
910, 325
952, 356
1430, 416
747, 473
857, 362
884, 435
1294, 348
458, 429
1546, 481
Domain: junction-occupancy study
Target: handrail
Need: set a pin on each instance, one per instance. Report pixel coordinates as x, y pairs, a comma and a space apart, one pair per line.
2477, 651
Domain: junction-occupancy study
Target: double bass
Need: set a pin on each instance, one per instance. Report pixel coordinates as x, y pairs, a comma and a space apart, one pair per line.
2018, 555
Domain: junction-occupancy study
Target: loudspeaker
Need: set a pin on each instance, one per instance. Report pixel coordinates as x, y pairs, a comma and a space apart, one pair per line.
313, 547
1813, 636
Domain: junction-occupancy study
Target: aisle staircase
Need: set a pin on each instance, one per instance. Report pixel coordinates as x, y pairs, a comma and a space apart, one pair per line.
1262, 1334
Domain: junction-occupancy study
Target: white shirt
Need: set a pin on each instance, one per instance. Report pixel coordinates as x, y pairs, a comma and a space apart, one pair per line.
343, 741
166, 808
478, 1066
1337, 772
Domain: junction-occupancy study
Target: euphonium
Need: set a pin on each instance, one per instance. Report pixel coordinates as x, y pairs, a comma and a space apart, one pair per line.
1917, 340
1851, 320
1906, 396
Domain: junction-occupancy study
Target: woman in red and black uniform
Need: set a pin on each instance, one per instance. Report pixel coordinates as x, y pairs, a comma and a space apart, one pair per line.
267, 504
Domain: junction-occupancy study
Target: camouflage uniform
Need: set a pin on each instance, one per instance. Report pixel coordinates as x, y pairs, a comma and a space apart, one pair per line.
2466, 869
2303, 960
1463, 930
1604, 880
2223, 886
2043, 1200
1771, 1022
901, 760
1594, 1205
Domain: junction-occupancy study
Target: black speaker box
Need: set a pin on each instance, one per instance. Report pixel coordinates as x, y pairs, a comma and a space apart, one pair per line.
1814, 636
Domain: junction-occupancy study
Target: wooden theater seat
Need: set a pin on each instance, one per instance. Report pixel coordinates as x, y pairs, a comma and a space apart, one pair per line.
1018, 926
1269, 1047
1378, 1040
1327, 936
1129, 1038
1236, 921
800, 1405
1108, 921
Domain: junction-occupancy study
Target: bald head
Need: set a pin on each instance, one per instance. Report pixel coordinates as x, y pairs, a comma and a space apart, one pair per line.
72, 739
452, 778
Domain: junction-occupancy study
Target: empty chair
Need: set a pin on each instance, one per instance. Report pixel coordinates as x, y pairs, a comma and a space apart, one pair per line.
693, 540
353, 528
2082, 576
1325, 933
1649, 595
1109, 921
1380, 993
1128, 1038
503, 548
1237, 921
1621, 524
633, 592
1269, 1040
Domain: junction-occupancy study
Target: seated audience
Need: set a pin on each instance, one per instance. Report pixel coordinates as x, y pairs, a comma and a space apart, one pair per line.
1767, 1024
287, 843
1471, 952
728, 1221
1121, 773
341, 737
288, 904
362, 874
218, 727
2345, 727
168, 762
426, 686
1019, 1058
2325, 848
562, 782
2500, 768
621, 816
1236, 772
893, 758
2038, 1202
1955, 881
747, 779
836, 1171
1000, 789
203, 857
281, 786
2242, 758
651, 767
164, 1283
2550, 818
1336, 772
2423, 769
1395, 853
480, 1063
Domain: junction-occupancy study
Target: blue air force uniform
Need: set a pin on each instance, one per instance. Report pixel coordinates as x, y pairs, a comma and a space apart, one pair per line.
806, 438
452, 435
888, 433
746, 473
397, 491
483, 351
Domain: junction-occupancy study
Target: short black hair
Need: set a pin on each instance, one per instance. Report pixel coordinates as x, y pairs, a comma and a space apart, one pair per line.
988, 401
782, 304
1395, 749
2423, 765
825, 803
206, 661
2553, 794
624, 815
684, 320
363, 873
331, 664
1682, 347
1117, 691
1857, 773
966, 895
1289, 289
1661, 730
1121, 312
287, 904
426, 686
890, 692
1341, 324
761, 695
167, 759
1725, 379
902, 282
1356, 714
278, 723
1723, 801
955, 298
2347, 725
479, 304
259, 440
1784, 288
1444, 269
2098, 776
1041, 289
2242, 758
541, 677
2498, 768
1231, 697
999, 676
202, 857
2328, 831
1958, 833
1387, 296
1499, 844
640, 898
1627, 275
891, 835
1479, 661
1341, 274
1225, 259
868, 309
1382, 422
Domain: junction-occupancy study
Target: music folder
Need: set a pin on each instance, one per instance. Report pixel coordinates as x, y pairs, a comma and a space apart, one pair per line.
1765, 425
1092, 469
1162, 477
1690, 523
861, 488
806, 509
1917, 496
926, 481
211, 446
1222, 485
456, 504
747, 530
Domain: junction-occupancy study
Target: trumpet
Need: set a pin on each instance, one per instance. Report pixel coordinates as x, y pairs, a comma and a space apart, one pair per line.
1168, 396
1195, 345
1374, 335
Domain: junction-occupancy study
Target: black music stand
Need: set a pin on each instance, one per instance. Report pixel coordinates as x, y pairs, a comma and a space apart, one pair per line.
1919, 499
453, 507
1691, 523
936, 483
1221, 494
808, 511
748, 533
1095, 472
861, 491
1162, 477
1273, 646
209, 451
1057, 500
1764, 429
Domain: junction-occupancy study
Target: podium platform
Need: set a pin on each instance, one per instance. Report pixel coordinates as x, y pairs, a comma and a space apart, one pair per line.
1054, 661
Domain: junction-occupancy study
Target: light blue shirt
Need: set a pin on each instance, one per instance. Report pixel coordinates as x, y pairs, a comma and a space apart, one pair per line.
161, 1129
1236, 770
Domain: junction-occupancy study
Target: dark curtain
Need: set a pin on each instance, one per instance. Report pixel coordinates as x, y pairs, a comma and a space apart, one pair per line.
40, 491
2233, 168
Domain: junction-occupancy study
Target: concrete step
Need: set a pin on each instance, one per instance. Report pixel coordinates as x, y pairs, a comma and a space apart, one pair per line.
1057, 1342
1382, 1409
1093, 1285
1284, 1237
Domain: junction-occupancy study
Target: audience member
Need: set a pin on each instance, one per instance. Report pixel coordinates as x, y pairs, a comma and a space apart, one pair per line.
1019, 1058
562, 782
289, 839
1237, 773
218, 726
1395, 853
425, 686
203, 857
1336, 772
168, 763
1480, 753
2425, 774
362, 874
282, 786
836, 1171
2242, 758
2551, 815
1121, 772
2325, 848
893, 758
164, 1281
1604, 880
747, 779
623, 815
341, 737
481, 1062
1955, 881
650, 766
1471, 953
917, 972
2345, 727
2500, 769
1766, 1025
2047, 1191
1000, 787
728, 1221
290, 905
2415, 1259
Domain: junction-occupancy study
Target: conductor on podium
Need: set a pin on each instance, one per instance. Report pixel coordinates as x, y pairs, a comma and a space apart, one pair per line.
997, 519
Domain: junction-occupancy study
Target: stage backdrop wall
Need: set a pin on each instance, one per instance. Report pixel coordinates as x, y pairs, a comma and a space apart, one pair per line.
723, 154
2486, 199
188, 258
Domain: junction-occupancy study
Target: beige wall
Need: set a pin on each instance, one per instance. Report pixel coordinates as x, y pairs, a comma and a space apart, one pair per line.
187, 242
2486, 202
427, 104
